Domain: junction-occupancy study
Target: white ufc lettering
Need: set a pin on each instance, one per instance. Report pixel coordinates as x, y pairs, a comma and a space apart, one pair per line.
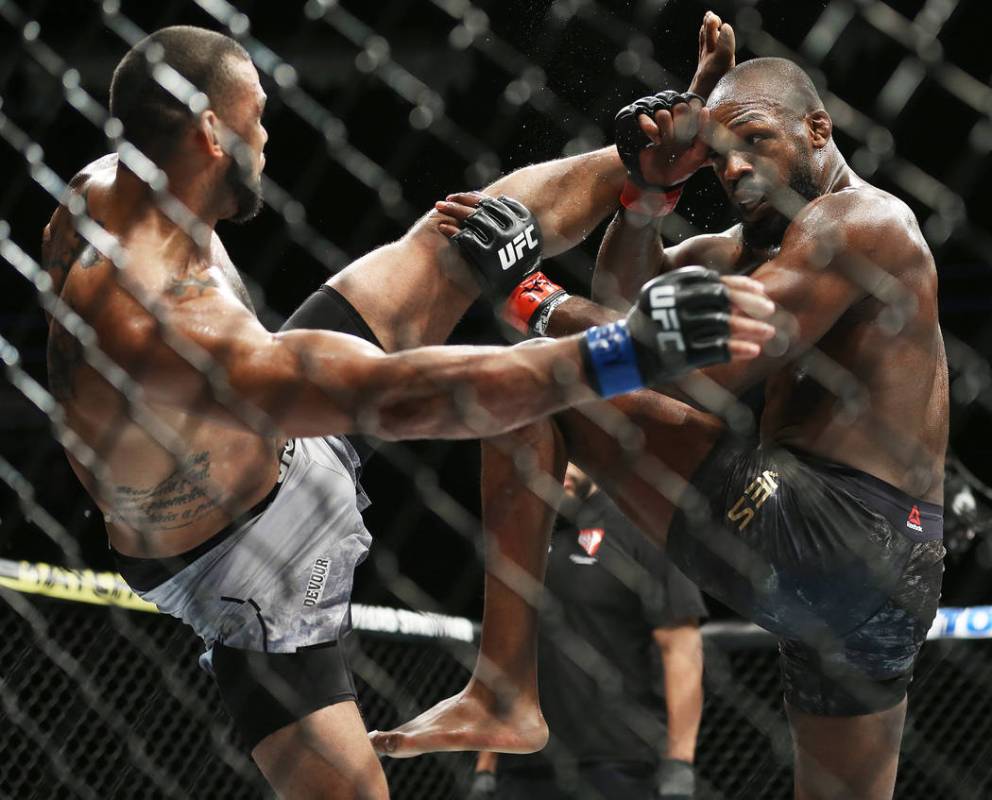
513, 251
662, 300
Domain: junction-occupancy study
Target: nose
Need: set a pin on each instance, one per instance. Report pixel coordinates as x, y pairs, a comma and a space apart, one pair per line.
735, 166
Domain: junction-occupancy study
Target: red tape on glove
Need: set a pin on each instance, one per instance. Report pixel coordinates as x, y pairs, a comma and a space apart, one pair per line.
650, 203
533, 299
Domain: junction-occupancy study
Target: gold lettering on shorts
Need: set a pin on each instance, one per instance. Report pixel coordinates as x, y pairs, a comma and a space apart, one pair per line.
754, 497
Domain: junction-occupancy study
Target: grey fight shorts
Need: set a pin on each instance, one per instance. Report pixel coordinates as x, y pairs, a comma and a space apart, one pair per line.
283, 580
270, 595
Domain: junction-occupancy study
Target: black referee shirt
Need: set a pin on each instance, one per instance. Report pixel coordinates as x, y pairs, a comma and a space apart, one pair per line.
608, 587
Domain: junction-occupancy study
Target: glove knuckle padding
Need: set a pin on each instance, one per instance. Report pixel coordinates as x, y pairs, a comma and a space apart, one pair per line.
629, 137
502, 242
683, 317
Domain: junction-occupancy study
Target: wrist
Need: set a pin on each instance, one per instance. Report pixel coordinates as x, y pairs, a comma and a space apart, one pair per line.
676, 779
650, 201
610, 359
530, 306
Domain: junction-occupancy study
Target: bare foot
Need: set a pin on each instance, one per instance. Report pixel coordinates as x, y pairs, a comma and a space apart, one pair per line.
716, 54
465, 722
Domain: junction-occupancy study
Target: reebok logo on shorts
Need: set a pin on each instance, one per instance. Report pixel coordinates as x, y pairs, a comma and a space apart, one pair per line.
914, 522
315, 586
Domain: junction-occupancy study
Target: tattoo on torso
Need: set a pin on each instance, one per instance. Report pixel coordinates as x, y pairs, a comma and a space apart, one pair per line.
180, 500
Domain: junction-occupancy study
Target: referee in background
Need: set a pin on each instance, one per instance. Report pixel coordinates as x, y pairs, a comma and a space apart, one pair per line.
613, 603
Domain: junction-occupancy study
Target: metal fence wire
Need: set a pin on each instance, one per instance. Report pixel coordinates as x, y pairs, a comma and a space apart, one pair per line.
383, 108
57, 744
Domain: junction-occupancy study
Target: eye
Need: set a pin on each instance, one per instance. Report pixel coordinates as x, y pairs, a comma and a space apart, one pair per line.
754, 138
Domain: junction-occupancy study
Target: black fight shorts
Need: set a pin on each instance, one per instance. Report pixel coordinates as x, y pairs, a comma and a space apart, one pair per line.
844, 568
264, 692
328, 310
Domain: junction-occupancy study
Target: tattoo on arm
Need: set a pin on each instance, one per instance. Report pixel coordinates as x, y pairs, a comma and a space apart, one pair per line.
62, 246
190, 287
65, 354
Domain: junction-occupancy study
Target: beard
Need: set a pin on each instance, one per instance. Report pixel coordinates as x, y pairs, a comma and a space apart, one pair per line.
246, 190
768, 231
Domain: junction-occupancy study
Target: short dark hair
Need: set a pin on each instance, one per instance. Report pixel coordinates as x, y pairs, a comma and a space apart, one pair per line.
152, 116
777, 78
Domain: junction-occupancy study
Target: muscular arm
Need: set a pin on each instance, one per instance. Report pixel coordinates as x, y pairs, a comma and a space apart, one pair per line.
837, 250
312, 383
681, 649
430, 287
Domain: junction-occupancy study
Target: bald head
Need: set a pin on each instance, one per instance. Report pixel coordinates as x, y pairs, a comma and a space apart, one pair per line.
773, 81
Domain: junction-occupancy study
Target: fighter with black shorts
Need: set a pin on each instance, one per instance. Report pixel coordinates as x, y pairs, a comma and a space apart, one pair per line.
825, 526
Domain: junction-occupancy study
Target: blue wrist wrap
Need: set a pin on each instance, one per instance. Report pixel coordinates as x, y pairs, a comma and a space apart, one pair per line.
610, 358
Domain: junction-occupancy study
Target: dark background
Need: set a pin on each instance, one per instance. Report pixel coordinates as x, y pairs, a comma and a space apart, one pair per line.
538, 79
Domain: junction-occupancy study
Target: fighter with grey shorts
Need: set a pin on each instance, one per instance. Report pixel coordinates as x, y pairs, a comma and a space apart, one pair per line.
270, 594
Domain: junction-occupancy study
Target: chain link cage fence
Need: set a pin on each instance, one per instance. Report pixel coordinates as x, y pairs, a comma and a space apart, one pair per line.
375, 111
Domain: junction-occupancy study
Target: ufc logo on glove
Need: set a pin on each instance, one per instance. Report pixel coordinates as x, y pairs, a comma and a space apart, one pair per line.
510, 253
662, 299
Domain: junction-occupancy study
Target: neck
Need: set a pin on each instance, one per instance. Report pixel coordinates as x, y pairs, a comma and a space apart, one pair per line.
176, 219
836, 173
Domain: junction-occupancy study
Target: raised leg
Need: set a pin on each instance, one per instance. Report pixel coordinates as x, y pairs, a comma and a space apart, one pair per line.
323, 755
846, 758
499, 709
640, 449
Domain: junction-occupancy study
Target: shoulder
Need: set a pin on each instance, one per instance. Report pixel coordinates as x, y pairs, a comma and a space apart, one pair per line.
860, 221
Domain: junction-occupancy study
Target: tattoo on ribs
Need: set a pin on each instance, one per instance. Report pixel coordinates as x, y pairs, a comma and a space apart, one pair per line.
178, 501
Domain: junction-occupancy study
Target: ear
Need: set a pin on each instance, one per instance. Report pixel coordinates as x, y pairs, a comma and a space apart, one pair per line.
820, 128
208, 133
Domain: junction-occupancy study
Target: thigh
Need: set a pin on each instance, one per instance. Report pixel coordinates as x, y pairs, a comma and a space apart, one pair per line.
324, 755
642, 449
846, 758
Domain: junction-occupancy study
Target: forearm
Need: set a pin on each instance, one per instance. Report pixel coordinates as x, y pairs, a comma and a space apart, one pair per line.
437, 392
630, 255
570, 196
683, 664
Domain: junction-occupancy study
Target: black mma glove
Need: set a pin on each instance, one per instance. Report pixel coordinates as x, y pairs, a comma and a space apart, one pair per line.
630, 138
483, 786
676, 780
502, 242
681, 322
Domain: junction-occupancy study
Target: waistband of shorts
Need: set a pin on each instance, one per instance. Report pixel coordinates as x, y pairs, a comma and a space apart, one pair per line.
144, 574
916, 519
